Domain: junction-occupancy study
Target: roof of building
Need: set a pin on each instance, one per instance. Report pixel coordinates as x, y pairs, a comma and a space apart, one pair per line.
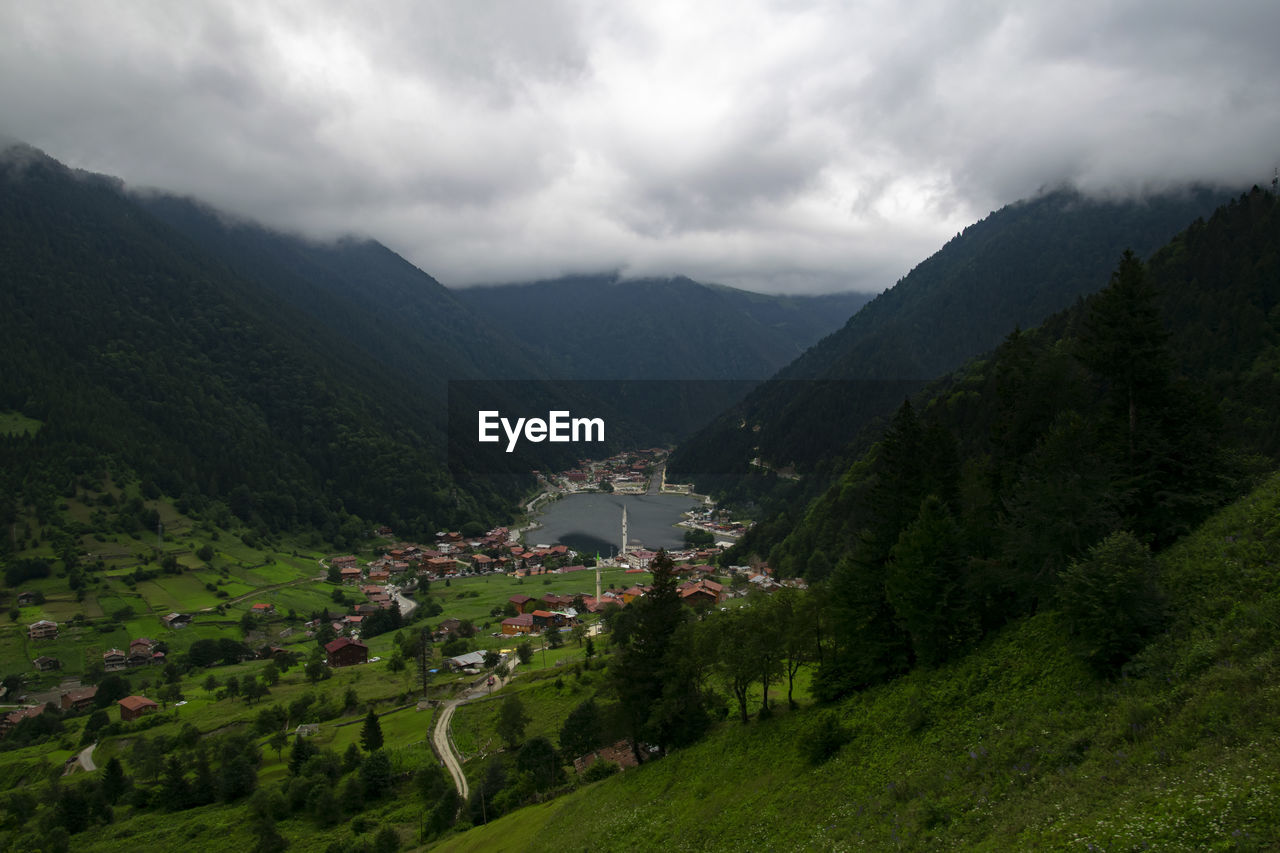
341, 643
136, 703
469, 659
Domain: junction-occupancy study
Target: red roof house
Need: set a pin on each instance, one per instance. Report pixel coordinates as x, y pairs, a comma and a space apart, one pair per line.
345, 651
133, 707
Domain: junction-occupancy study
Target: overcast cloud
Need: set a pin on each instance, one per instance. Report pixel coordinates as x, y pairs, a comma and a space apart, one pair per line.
802, 146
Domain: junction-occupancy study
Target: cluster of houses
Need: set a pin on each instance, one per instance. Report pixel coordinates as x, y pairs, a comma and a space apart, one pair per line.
142, 651
626, 473
77, 700
453, 555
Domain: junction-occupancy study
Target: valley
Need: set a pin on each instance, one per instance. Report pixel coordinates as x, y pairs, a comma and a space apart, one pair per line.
1025, 600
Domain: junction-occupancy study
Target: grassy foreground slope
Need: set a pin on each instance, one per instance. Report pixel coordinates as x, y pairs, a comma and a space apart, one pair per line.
1016, 746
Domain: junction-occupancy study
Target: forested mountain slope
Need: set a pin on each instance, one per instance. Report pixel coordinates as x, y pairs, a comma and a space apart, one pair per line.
669, 328
1012, 268
134, 348
1139, 409
370, 298
1030, 618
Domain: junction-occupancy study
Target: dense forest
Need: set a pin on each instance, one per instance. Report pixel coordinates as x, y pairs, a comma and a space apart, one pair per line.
701, 332
1013, 268
137, 352
1057, 463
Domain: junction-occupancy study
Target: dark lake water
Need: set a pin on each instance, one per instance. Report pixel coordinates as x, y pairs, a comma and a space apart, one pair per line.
593, 522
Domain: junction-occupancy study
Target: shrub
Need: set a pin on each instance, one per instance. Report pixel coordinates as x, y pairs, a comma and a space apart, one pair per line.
1111, 601
823, 738
600, 770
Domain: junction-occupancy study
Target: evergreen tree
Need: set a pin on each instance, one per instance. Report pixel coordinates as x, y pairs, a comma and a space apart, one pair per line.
375, 775
924, 586
175, 793
299, 755
538, 758
114, 783
1124, 342
371, 733
582, 730
644, 675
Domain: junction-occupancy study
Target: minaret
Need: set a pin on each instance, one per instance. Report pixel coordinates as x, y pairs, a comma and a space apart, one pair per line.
623, 552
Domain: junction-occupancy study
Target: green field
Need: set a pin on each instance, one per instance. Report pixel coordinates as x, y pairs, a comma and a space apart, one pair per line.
15, 423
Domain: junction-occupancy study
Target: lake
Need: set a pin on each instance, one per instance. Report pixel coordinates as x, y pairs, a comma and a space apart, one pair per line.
593, 522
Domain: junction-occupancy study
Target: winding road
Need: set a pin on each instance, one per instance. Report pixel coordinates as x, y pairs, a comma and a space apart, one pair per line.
443, 738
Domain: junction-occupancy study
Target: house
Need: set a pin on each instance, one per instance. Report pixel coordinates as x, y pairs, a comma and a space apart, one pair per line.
631, 594
619, 753
345, 651
344, 561
522, 624
176, 621
114, 659
139, 653
263, 609
448, 628
522, 603
441, 566
42, 630
701, 593
469, 660
542, 620
350, 574
133, 707
27, 598
44, 663
78, 698
641, 559
10, 720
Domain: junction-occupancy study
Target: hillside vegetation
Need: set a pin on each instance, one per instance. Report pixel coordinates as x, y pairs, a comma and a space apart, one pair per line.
1013, 268
1017, 745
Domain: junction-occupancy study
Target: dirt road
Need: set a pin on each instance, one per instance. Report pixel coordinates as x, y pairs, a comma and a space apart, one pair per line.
443, 738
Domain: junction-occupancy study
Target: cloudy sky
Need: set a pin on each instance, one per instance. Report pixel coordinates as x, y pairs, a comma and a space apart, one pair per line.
802, 146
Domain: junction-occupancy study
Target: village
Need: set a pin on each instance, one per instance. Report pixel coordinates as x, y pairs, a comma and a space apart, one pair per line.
381, 591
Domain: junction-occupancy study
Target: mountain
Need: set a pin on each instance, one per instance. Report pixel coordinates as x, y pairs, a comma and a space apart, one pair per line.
658, 328
1041, 609
1139, 408
1011, 269
360, 291
138, 350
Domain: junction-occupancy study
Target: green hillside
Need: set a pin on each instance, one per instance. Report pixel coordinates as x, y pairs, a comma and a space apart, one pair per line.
1018, 745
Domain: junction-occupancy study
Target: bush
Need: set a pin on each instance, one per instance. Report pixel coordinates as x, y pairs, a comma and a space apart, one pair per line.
823, 738
1111, 601
600, 770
